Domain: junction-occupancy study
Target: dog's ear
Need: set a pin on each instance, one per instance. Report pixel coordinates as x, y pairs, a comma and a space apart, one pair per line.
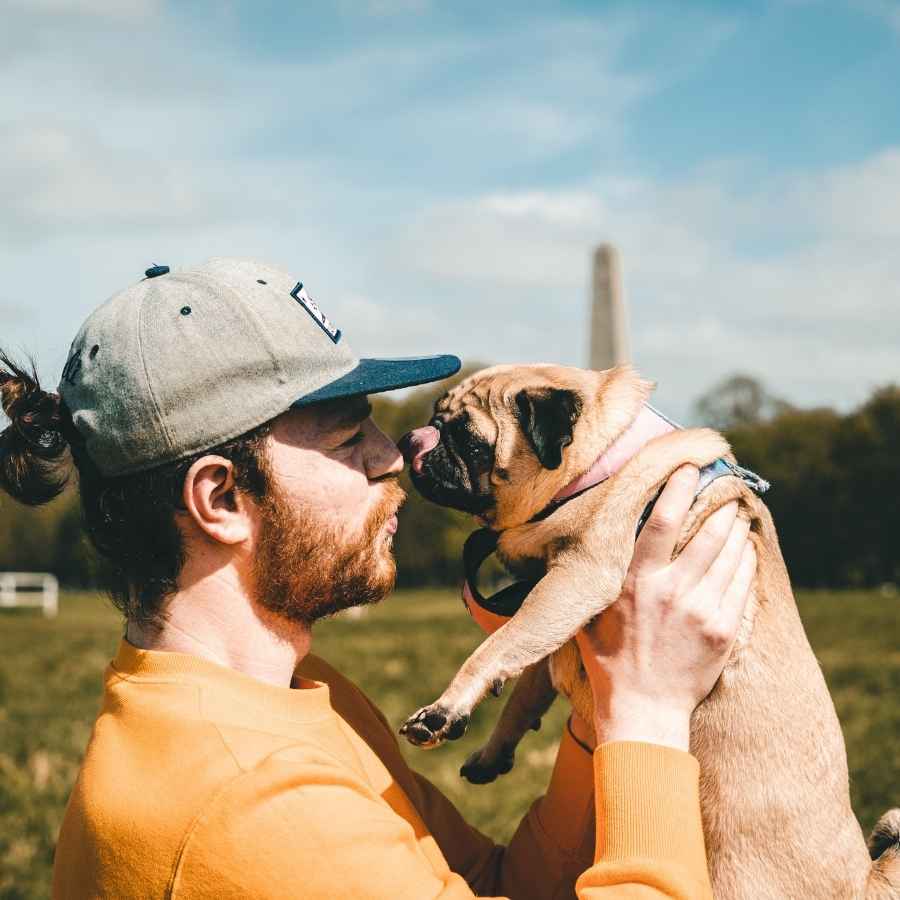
547, 417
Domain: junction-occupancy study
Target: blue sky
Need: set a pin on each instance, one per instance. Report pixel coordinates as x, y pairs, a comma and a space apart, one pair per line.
438, 173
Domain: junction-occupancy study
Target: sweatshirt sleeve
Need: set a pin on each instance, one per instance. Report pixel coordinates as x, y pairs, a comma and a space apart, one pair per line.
625, 824
649, 830
552, 846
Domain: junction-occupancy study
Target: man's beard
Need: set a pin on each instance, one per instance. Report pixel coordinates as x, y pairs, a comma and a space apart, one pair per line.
307, 568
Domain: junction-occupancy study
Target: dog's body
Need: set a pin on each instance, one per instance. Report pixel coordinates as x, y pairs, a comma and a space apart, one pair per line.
774, 783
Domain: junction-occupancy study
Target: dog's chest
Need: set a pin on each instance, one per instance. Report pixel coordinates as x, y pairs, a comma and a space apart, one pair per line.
524, 568
566, 669
570, 679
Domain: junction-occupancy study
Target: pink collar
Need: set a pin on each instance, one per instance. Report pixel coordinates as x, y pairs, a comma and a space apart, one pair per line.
649, 424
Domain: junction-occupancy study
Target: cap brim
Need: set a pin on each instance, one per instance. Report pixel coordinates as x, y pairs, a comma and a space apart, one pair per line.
373, 376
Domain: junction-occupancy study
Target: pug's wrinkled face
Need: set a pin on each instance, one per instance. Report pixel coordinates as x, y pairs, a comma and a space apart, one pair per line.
496, 445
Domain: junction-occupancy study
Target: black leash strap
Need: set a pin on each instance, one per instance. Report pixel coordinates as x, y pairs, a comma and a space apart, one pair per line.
478, 547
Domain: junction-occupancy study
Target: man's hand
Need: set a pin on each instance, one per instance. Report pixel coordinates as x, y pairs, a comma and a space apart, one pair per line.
656, 653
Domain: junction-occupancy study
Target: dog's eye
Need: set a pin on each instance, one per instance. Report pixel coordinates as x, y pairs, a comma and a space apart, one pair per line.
437, 423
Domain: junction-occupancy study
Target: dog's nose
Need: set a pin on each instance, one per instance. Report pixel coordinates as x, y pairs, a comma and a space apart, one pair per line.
417, 443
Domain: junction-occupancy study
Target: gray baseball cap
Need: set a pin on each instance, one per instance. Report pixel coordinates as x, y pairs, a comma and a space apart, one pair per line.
185, 360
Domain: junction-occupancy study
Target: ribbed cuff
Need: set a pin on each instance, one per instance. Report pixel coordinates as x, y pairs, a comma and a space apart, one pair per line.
648, 804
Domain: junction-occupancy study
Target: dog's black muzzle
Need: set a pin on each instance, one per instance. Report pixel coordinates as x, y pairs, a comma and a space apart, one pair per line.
443, 481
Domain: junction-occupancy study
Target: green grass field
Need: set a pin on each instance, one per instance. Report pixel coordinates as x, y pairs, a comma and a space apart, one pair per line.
403, 654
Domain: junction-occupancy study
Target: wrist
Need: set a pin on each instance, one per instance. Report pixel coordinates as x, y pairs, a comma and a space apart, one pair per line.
642, 721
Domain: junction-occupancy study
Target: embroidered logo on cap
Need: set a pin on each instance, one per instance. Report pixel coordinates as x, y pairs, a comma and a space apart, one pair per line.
300, 294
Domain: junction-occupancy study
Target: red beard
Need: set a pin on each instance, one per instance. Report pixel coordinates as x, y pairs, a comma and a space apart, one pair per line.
306, 569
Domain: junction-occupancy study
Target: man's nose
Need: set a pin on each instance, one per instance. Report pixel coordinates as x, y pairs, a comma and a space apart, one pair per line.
384, 458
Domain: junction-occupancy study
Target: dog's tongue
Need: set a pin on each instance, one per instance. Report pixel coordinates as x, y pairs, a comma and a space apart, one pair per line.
648, 425
415, 444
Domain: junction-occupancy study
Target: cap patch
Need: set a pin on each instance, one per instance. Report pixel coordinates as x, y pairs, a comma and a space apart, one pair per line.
302, 297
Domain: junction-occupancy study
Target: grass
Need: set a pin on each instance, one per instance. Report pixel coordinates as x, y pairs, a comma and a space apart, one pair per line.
403, 654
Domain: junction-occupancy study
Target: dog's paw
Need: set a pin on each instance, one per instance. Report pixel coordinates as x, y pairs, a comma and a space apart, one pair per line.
483, 767
432, 725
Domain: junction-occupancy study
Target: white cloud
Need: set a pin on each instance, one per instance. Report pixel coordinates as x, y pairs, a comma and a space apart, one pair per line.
382, 325
859, 201
132, 145
56, 178
819, 320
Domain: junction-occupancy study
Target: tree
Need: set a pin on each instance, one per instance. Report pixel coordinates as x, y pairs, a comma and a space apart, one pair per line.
835, 482
794, 451
866, 451
737, 400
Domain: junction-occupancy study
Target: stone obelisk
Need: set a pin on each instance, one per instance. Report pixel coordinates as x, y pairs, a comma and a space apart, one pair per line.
609, 324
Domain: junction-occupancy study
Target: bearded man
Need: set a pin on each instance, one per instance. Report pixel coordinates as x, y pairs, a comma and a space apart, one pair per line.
233, 480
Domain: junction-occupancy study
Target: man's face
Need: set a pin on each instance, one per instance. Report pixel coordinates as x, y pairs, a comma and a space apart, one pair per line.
325, 535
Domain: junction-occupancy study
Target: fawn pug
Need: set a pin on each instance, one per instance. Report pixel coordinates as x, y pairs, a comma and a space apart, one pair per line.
561, 465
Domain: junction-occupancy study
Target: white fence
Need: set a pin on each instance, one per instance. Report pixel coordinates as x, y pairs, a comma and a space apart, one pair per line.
30, 589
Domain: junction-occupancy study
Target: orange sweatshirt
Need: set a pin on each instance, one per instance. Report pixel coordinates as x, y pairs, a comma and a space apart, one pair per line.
201, 782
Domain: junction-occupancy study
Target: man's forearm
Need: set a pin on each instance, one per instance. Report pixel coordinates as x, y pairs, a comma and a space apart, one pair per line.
554, 843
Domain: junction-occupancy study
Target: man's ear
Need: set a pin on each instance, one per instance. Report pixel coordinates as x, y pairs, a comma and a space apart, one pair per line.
211, 500
547, 416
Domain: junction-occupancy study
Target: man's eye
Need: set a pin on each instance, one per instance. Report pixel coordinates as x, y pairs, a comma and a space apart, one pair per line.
353, 439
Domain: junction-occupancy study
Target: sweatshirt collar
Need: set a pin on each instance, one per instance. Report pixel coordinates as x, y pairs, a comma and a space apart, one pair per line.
304, 704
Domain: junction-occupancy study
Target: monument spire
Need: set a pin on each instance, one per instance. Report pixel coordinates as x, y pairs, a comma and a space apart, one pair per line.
609, 325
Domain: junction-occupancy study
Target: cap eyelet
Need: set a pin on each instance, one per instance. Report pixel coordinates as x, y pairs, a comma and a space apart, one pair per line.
94, 351
185, 310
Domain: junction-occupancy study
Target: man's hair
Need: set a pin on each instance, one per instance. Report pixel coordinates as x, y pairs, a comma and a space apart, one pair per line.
130, 519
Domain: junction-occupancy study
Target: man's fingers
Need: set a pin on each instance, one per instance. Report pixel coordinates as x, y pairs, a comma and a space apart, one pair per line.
736, 595
721, 571
706, 546
657, 540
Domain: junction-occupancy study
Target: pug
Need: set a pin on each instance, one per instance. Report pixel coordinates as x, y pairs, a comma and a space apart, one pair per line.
561, 467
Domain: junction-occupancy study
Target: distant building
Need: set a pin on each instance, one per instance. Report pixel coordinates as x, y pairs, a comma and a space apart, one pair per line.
609, 321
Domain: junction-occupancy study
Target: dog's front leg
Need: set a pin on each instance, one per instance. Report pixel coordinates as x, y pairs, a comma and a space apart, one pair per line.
566, 598
577, 586
532, 696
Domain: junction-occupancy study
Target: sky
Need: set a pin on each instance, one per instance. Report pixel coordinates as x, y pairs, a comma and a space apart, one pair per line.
438, 173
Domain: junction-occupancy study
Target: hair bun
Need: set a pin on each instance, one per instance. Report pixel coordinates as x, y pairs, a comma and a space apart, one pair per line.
31, 448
